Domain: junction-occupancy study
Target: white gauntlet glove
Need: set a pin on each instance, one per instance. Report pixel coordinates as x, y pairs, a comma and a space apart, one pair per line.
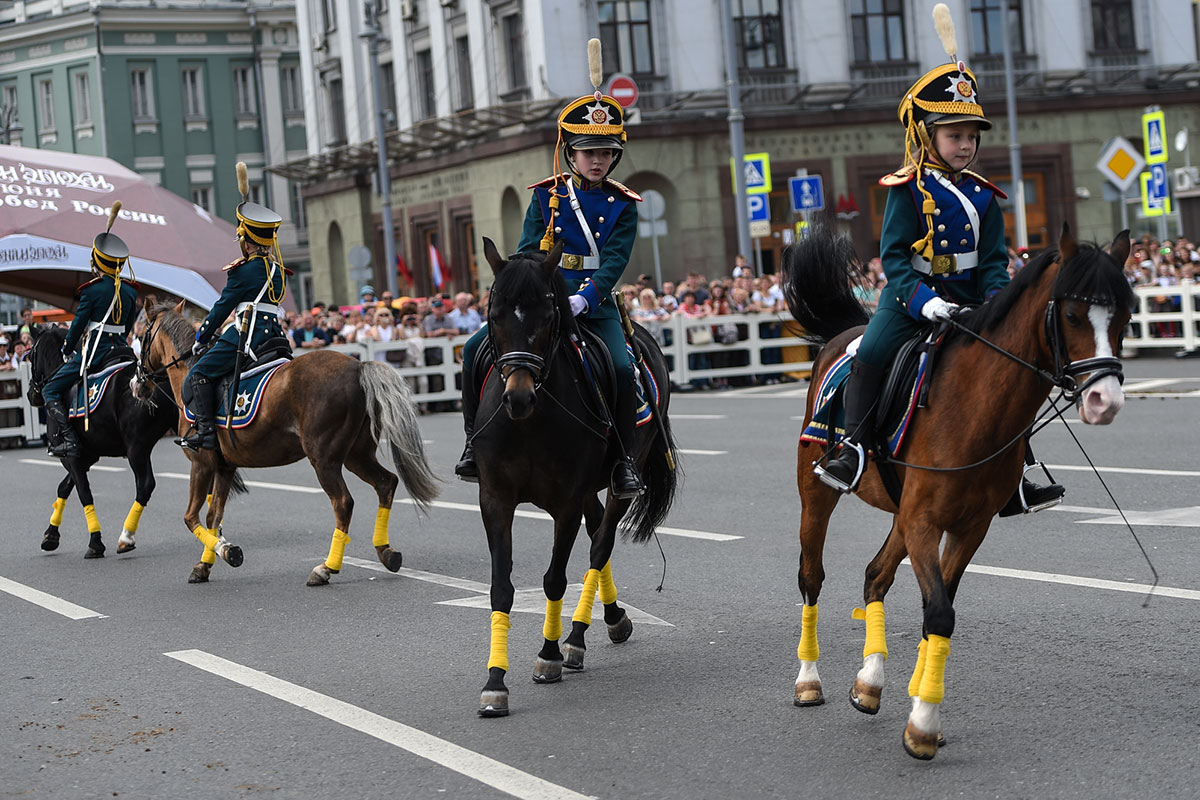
578, 304
198, 348
937, 310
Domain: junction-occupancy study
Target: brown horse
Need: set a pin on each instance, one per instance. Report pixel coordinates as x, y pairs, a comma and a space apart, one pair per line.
326, 407
1062, 316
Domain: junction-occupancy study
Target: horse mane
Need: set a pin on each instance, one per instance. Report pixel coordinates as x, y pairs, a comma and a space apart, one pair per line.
525, 283
1091, 274
175, 325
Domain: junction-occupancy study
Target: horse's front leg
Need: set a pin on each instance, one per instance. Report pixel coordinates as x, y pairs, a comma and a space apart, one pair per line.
79, 472
881, 572
329, 475
51, 536
817, 502
231, 554
200, 480
598, 579
143, 479
921, 734
497, 521
549, 665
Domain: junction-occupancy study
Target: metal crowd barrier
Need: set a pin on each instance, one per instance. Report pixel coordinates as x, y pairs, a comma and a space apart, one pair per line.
1166, 316
18, 420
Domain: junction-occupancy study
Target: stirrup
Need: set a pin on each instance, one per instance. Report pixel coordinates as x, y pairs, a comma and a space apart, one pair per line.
1052, 494
633, 488
466, 469
837, 483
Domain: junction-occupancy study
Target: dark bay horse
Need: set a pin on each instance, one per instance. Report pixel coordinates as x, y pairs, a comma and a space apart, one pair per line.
122, 425
1063, 315
540, 439
326, 407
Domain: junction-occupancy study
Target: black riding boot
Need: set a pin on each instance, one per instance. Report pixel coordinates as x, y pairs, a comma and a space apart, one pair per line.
626, 483
63, 441
204, 407
844, 470
466, 469
1029, 496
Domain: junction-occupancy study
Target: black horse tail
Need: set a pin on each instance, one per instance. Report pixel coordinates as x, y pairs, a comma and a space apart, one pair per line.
660, 472
819, 274
238, 485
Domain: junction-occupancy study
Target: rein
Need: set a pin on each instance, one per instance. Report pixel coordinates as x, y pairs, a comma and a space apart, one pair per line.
537, 365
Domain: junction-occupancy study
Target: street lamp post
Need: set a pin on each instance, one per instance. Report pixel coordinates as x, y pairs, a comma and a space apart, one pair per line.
370, 34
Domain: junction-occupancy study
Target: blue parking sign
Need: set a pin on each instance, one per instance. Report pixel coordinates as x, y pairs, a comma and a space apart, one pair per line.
807, 193
756, 204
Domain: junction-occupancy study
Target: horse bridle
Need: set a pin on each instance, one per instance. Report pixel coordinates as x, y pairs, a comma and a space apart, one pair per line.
538, 366
1066, 371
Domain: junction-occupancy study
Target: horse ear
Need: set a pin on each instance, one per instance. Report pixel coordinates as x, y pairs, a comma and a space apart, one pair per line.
493, 255
180, 306
1067, 246
1119, 249
550, 263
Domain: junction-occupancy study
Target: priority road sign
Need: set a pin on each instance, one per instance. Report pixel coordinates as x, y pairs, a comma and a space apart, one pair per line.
1156, 198
807, 193
1154, 134
1120, 162
757, 168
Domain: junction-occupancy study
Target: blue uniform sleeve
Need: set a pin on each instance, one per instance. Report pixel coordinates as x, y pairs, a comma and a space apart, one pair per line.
902, 226
993, 255
83, 315
534, 227
241, 286
614, 257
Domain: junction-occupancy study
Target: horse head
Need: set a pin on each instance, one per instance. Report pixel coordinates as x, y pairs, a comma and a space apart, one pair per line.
1089, 308
166, 330
44, 360
526, 312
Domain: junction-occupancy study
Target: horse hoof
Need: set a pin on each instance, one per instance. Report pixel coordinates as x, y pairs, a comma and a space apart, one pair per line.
125, 547
93, 553
865, 698
493, 704
573, 656
547, 671
919, 744
199, 575
809, 693
621, 630
391, 559
318, 577
233, 555
50, 539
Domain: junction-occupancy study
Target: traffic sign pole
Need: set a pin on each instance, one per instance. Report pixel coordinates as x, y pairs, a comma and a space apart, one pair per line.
737, 142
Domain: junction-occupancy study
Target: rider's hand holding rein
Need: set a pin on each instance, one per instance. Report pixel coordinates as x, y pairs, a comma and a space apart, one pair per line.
578, 304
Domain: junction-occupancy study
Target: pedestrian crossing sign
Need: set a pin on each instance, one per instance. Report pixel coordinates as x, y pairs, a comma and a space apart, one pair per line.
1154, 137
757, 168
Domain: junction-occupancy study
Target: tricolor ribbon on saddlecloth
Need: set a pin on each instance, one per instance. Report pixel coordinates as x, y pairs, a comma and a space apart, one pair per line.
435, 266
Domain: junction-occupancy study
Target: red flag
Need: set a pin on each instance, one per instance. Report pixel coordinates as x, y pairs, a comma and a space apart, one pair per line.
403, 269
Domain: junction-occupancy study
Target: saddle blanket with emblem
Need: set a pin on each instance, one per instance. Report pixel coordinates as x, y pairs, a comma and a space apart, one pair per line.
248, 398
829, 410
645, 405
97, 385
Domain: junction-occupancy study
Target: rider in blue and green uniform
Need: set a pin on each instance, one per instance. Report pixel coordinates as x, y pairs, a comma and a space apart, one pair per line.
942, 246
104, 317
596, 220
256, 286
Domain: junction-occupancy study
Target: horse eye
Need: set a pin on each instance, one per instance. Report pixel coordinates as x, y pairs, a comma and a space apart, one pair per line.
1073, 319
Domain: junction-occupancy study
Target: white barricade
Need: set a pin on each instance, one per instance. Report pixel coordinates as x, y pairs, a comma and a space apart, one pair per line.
18, 419
1166, 316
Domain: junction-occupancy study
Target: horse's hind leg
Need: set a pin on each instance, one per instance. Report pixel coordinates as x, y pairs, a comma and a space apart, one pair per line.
598, 579
329, 475
79, 471
222, 484
881, 572
51, 536
549, 665
817, 502
143, 478
199, 482
363, 462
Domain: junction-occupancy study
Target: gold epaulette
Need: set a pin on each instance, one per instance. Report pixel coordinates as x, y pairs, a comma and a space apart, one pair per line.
79, 289
986, 183
625, 190
899, 177
566, 176
235, 264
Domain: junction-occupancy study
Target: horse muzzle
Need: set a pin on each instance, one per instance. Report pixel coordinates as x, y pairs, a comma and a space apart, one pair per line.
1101, 401
520, 395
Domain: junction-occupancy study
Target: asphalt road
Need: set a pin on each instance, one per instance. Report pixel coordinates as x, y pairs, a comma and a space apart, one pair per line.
1060, 683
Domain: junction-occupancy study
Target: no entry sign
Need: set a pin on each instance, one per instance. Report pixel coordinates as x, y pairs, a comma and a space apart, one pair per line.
623, 89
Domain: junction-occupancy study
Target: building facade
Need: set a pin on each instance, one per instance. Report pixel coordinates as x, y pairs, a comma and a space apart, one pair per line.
472, 88
178, 91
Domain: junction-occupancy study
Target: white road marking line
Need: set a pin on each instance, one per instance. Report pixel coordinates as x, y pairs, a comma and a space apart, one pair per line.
1142, 386
48, 601
1075, 580
704, 452
683, 532
674, 416
283, 487
1183, 473
46, 462
488, 771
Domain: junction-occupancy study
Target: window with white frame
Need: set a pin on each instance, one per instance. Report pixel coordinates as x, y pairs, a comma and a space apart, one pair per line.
329, 15
82, 99
462, 64
625, 34
293, 90
388, 73
203, 197
243, 86
45, 96
193, 93
142, 93
426, 99
9, 99
297, 204
337, 112
513, 38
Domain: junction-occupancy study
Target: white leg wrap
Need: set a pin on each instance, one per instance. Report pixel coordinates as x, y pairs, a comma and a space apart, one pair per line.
926, 717
126, 538
871, 673
808, 673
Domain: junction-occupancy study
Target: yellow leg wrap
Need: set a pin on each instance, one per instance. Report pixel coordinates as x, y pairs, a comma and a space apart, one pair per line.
134, 517
583, 611
209, 556
56, 515
337, 549
914, 683
207, 536
933, 683
499, 654
608, 589
808, 650
380, 539
876, 641
92, 520
208, 499
552, 629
